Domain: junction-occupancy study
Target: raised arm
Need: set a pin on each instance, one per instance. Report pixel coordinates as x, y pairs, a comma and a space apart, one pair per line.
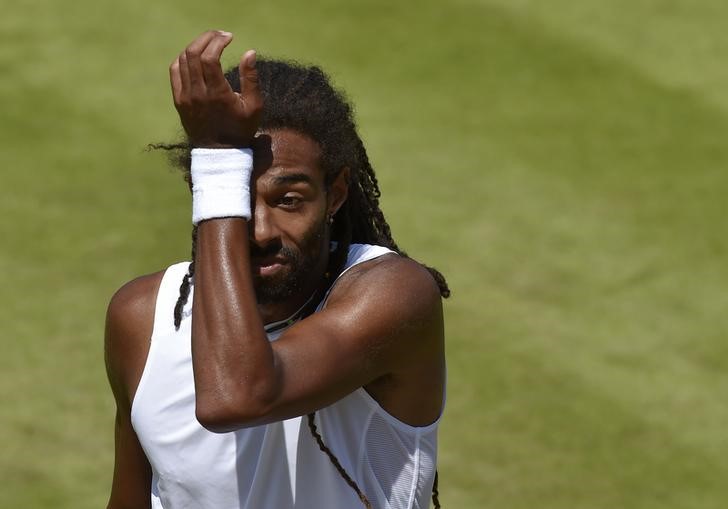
383, 320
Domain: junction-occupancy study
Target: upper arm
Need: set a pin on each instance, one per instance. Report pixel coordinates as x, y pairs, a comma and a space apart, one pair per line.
129, 321
383, 320
132, 482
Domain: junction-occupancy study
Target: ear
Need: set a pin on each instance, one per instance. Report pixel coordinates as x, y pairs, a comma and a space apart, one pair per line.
339, 191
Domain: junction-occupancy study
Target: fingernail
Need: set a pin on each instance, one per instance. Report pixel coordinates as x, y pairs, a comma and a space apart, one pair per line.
252, 59
225, 34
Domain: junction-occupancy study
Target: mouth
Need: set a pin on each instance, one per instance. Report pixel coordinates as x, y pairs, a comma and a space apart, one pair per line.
267, 266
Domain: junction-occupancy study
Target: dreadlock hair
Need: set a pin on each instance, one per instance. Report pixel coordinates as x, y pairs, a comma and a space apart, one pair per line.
302, 99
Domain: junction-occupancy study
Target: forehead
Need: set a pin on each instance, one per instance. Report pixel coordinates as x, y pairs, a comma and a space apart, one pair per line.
285, 151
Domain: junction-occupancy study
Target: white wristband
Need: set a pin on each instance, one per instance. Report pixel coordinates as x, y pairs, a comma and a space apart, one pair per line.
221, 183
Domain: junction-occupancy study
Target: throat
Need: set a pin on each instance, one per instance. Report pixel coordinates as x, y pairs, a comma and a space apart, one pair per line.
279, 324
281, 318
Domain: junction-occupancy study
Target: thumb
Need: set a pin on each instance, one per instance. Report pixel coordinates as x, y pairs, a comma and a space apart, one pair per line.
249, 91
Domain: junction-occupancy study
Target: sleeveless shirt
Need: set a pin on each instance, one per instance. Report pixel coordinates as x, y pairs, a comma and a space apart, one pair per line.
277, 465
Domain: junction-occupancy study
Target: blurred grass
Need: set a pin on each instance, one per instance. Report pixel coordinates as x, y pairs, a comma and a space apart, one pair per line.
563, 163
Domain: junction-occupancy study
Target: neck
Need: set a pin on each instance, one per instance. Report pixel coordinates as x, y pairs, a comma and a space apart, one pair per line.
301, 312
277, 311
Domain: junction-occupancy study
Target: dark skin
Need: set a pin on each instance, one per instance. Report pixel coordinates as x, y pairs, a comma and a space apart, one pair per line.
382, 327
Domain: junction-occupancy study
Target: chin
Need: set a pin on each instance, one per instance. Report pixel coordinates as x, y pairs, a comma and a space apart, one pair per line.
270, 290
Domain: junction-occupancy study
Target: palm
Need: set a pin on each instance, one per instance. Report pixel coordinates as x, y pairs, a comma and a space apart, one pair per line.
212, 114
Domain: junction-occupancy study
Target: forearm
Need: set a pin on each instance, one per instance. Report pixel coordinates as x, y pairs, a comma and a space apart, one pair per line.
234, 364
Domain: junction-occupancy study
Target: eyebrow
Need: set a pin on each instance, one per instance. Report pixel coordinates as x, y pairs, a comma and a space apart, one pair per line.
292, 178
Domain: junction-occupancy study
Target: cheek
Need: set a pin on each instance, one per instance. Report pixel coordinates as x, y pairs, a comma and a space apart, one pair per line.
302, 231
294, 227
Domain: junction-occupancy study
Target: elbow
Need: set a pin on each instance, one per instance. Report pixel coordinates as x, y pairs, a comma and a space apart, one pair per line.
222, 415
218, 421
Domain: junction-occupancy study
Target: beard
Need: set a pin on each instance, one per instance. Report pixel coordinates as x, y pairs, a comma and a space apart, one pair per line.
299, 267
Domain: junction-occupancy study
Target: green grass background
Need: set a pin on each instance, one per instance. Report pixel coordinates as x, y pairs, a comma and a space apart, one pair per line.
563, 163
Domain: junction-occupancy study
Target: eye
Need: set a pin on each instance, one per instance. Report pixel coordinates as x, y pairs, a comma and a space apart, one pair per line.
290, 201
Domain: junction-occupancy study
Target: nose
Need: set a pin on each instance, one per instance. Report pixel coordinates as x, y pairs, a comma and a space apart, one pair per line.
262, 227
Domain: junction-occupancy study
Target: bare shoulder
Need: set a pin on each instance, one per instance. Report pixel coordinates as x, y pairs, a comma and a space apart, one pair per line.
134, 297
129, 323
391, 277
400, 293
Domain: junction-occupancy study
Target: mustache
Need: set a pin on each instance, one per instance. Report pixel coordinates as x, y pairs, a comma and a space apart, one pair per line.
274, 249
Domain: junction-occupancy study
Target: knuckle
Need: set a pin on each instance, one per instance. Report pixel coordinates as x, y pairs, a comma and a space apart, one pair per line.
196, 100
182, 102
254, 107
208, 60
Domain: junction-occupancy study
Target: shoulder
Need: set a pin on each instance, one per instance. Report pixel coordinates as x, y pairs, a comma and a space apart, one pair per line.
399, 292
135, 296
391, 275
129, 324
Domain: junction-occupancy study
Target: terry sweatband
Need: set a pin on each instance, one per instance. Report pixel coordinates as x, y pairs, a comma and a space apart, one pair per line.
221, 183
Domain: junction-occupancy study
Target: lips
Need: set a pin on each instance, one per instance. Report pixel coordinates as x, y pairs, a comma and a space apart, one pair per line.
268, 265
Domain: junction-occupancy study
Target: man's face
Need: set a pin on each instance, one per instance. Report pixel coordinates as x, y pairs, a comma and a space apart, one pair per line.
289, 234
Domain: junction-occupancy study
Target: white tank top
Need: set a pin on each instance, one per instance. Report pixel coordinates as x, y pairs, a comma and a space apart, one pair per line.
257, 468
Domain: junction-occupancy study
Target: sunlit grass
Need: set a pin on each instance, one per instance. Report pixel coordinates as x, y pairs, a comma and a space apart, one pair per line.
565, 168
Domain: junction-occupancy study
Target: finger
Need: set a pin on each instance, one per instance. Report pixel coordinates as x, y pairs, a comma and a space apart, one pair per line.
249, 91
184, 74
210, 60
194, 65
175, 80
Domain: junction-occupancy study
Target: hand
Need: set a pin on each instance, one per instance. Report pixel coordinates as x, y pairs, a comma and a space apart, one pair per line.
212, 114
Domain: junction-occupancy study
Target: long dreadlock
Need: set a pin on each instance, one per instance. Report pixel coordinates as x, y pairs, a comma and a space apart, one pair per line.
302, 99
